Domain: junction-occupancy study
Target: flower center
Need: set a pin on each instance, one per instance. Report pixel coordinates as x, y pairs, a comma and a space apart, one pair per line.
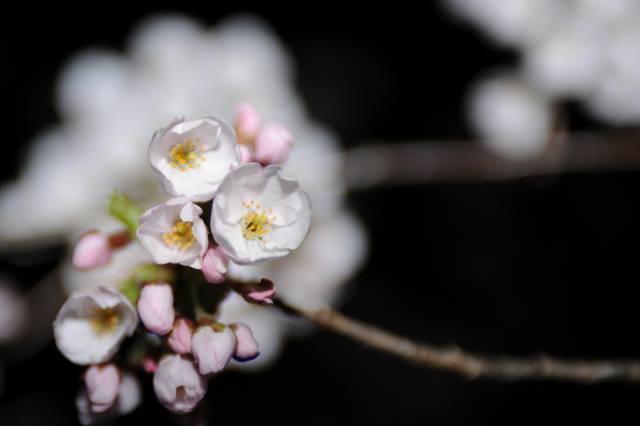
256, 222
104, 321
181, 235
184, 156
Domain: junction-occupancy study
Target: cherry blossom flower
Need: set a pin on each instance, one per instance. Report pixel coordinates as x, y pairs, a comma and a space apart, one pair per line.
155, 307
173, 232
213, 349
259, 214
177, 384
192, 157
92, 323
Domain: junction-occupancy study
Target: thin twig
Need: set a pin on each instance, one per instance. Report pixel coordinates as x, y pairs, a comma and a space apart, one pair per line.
467, 364
431, 162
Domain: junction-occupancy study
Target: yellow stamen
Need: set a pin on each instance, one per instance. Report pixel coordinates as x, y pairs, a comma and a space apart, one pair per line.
184, 156
180, 237
257, 222
105, 321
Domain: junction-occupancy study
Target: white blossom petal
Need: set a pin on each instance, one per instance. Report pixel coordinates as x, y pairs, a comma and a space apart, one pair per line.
92, 323
192, 157
259, 214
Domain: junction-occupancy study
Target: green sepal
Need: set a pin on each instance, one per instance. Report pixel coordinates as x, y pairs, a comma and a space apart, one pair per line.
147, 273
123, 209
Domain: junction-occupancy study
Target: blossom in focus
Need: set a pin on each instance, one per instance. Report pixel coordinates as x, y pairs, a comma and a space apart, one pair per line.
192, 157
173, 232
213, 349
128, 398
92, 250
214, 265
155, 307
179, 340
247, 347
177, 384
107, 101
259, 214
92, 323
102, 383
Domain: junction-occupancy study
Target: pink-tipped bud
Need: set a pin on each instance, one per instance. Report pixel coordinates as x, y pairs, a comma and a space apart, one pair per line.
180, 338
259, 293
247, 347
244, 152
214, 265
155, 307
102, 382
272, 144
149, 364
247, 123
92, 250
212, 349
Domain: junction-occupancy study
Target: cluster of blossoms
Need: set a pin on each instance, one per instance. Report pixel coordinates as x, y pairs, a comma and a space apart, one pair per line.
255, 214
580, 50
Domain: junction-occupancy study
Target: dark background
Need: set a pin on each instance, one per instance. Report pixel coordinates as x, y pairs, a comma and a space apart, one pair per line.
537, 265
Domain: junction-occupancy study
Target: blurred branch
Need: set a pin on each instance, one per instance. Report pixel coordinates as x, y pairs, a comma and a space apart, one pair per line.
467, 364
432, 162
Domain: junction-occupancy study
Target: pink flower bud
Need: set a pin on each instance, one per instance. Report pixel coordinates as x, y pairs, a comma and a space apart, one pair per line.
180, 338
244, 152
155, 307
92, 250
259, 293
149, 364
272, 144
247, 123
102, 383
214, 265
212, 349
247, 347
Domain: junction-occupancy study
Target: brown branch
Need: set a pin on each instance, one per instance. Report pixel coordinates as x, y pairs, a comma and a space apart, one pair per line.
467, 364
429, 162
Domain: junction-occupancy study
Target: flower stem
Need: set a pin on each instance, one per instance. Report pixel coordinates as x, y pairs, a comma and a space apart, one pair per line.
470, 365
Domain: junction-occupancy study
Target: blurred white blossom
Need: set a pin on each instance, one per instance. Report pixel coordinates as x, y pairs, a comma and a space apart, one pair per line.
510, 117
587, 50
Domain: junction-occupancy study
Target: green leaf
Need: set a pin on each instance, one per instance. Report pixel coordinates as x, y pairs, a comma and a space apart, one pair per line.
131, 289
148, 273
123, 209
